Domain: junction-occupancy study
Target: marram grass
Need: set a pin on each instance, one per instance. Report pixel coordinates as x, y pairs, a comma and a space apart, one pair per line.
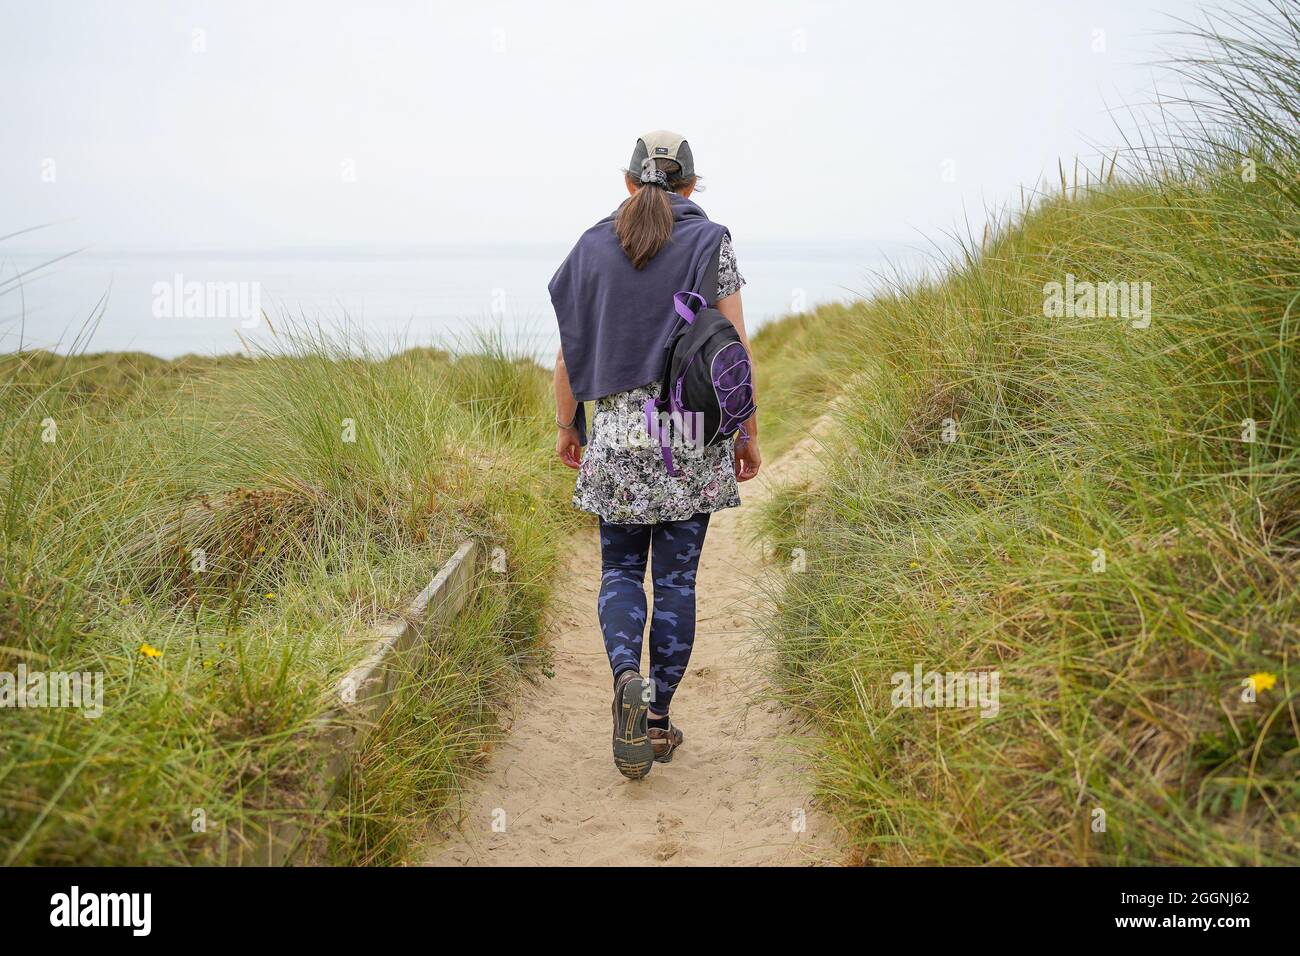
1104, 512
217, 537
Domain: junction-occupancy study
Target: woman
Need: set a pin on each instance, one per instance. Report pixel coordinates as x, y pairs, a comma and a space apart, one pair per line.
613, 300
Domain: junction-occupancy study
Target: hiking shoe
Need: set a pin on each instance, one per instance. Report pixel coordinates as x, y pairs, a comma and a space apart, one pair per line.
664, 742
633, 754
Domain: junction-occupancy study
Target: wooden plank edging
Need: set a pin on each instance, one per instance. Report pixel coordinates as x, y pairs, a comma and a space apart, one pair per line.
360, 698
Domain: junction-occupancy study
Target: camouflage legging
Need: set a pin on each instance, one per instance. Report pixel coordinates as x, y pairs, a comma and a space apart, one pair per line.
675, 548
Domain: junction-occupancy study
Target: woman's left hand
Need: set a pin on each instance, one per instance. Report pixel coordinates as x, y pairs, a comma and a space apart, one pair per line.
748, 459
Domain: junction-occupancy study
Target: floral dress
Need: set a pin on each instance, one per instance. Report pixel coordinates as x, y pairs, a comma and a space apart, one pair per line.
622, 477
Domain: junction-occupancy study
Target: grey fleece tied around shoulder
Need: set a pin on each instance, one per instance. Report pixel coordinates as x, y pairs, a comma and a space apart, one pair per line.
614, 320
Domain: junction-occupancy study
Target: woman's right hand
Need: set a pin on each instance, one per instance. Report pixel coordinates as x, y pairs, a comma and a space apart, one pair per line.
567, 447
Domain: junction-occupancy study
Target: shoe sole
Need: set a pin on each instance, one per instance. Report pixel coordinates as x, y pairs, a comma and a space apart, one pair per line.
633, 752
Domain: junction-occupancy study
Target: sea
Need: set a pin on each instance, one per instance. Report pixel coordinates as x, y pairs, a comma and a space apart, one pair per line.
215, 301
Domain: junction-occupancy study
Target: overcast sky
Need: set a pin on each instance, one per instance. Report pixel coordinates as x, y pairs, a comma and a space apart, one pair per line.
269, 123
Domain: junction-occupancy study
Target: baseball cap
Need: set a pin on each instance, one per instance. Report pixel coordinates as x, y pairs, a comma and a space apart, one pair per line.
663, 144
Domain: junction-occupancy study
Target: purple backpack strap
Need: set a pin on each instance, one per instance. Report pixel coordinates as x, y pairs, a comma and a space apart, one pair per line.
652, 407
683, 309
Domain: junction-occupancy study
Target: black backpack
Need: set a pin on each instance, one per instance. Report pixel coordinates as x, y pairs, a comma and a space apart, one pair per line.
706, 392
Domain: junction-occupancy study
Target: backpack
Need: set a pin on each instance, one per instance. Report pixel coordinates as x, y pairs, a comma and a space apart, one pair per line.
707, 386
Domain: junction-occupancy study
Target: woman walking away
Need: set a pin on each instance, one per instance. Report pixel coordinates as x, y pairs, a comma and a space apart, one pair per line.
624, 293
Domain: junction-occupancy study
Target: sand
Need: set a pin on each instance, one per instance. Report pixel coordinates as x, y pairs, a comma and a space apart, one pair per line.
736, 792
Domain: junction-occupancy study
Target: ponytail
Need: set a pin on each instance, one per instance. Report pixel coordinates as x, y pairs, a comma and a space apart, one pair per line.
645, 221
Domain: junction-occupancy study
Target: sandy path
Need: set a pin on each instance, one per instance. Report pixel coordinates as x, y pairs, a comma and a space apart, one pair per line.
731, 795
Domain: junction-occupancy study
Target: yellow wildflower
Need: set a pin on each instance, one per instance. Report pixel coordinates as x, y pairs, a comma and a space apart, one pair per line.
1262, 681
149, 651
